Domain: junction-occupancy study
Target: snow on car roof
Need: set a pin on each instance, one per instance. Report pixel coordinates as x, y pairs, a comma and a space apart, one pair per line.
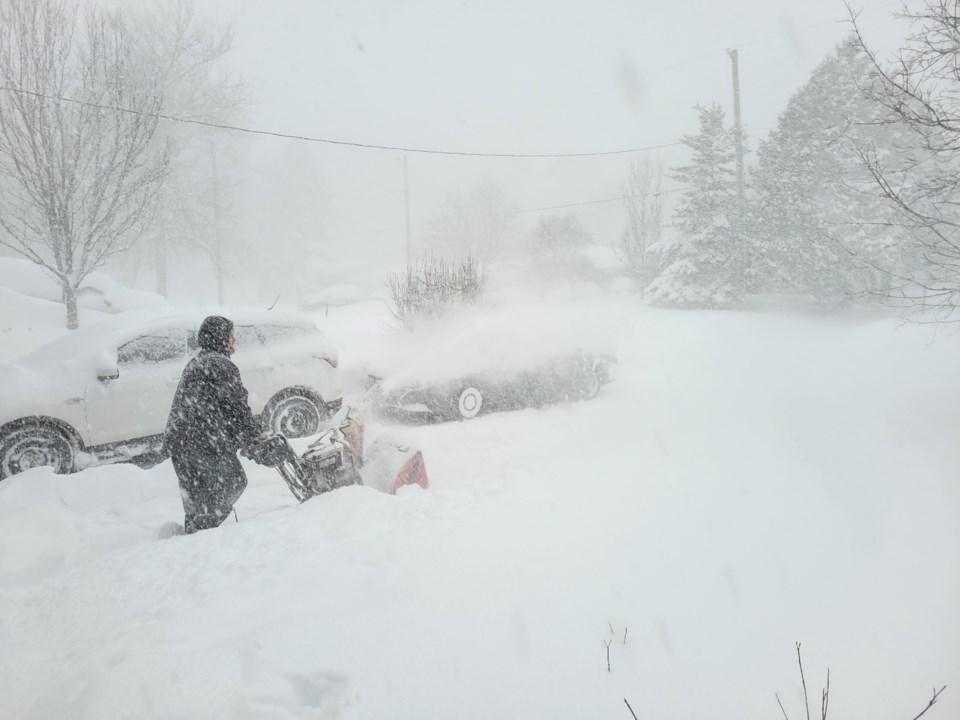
106, 334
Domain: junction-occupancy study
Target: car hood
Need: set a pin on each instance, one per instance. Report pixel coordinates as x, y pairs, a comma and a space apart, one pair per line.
25, 391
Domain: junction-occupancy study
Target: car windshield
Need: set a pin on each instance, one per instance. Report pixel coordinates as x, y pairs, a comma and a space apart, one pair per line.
248, 338
274, 333
151, 349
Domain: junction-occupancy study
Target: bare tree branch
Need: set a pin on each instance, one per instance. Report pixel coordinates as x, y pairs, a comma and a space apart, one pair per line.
806, 702
785, 717
933, 701
920, 175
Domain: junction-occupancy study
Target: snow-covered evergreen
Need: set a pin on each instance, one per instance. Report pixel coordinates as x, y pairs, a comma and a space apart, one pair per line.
700, 261
816, 219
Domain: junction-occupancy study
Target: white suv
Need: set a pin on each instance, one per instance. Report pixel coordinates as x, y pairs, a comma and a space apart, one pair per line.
103, 393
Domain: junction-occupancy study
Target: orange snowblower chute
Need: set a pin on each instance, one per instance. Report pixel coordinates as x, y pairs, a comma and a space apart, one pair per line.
413, 472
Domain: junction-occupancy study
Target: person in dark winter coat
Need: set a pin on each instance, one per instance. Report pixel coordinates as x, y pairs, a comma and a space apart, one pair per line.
209, 422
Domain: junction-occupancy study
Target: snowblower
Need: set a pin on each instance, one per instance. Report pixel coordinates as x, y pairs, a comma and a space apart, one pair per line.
337, 458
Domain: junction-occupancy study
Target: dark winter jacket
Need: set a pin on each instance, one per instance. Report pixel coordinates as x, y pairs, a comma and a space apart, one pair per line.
210, 414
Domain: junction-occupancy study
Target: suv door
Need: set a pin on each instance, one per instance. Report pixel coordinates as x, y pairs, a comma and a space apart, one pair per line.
136, 404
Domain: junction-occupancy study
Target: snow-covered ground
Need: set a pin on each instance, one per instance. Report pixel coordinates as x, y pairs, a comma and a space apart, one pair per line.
748, 481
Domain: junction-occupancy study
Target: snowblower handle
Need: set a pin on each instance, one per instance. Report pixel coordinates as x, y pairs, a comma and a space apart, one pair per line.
270, 450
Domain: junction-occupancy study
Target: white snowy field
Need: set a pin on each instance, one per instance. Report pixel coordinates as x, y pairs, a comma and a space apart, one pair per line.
749, 480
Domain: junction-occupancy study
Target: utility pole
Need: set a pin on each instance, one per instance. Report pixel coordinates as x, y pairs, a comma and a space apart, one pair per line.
217, 242
738, 145
160, 256
406, 204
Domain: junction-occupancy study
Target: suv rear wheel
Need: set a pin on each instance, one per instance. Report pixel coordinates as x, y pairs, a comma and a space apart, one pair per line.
469, 402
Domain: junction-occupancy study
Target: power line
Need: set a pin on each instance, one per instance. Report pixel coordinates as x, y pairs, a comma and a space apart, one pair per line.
328, 141
427, 151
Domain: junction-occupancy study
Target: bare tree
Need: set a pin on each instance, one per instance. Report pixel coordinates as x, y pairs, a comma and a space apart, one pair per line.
558, 240
189, 54
479, 223
920, 91
643, 204
80, 167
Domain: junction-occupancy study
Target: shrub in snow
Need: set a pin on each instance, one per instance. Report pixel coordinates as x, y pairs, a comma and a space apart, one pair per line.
433, 287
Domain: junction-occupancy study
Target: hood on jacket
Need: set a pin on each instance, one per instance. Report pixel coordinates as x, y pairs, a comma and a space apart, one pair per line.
214, 333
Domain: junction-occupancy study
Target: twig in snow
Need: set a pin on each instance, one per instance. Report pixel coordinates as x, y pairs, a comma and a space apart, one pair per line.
825, 698
777, 695
607, 643
825, 694
933, 700
806, 702
625, 630
631, 710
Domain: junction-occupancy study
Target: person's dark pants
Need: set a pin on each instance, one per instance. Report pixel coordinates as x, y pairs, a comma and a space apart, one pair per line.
210, 485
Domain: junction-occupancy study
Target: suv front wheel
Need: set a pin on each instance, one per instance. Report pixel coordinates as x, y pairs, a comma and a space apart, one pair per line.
294, 413
36, 444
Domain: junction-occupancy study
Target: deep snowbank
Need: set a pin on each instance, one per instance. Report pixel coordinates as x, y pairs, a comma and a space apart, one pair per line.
749, 480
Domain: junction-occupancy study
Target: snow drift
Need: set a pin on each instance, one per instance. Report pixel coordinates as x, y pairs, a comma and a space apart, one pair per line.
750, 480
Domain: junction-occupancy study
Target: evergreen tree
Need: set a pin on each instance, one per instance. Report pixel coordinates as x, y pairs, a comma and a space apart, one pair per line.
815, 219
700, 262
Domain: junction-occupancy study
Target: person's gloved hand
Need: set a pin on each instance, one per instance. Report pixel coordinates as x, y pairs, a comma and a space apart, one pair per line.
269, 450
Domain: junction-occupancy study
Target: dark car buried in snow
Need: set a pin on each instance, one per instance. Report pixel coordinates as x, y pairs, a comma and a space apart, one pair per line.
570, 377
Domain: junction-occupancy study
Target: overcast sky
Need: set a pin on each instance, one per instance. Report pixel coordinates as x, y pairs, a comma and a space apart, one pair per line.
514, 76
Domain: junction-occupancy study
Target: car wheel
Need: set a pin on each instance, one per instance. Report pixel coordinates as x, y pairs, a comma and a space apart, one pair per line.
36, 445
469, 402
590, 387
294, 414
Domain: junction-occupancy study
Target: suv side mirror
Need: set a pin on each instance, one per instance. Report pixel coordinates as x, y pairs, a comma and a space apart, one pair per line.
107, 374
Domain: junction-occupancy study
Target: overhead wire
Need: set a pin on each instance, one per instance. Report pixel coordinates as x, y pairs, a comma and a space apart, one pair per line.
429, 151
330, 141
402, 148
436, 151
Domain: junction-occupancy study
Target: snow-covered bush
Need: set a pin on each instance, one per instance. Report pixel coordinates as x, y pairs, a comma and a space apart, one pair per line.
432, 287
